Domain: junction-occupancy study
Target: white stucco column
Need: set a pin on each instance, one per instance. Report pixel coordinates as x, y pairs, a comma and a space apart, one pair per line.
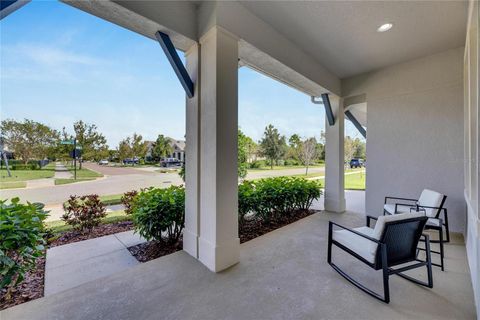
192, 157
219, 245
334, 159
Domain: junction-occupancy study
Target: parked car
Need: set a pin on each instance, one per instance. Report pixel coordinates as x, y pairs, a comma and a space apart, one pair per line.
103, 162
356, 163
131, 161
170, 162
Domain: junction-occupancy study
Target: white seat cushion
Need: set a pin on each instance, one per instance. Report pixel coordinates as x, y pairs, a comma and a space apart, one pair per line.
430, 198
390, 208
356, 243
433, 222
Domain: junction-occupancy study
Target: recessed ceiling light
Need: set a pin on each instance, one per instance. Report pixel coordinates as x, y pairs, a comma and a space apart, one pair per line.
385, 27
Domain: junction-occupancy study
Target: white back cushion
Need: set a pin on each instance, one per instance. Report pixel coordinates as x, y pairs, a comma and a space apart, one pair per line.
380, 225
430, 198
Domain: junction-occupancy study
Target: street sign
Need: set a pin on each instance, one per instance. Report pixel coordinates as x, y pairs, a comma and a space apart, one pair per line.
77, 153
67, 142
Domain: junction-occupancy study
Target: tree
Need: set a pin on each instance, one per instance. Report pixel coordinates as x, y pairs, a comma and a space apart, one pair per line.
139, 147
273, 144
295, 145
244, 143
93, 143
349, 149
308, 151
28, 139
354, 148
124, 149
161, 148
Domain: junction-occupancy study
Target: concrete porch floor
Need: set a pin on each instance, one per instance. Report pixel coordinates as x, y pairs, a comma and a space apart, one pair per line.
281, 275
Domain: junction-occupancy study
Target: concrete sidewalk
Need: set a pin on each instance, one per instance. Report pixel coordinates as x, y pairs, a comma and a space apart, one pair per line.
77, 263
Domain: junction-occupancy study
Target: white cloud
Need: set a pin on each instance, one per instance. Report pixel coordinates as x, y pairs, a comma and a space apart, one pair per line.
50, 55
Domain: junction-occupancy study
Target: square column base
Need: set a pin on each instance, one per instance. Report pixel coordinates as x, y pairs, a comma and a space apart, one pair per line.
334, 204
190, 243
219, 257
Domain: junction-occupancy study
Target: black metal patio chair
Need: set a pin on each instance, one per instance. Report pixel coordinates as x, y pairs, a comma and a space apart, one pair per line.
392, 242
431, 203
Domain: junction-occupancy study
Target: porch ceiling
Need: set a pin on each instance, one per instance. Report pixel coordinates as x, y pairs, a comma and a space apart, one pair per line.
281, 275
342, 35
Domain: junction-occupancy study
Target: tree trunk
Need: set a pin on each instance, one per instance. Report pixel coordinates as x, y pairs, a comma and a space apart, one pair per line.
306, 169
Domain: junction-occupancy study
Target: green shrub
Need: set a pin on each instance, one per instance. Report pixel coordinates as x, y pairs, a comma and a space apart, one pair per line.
21, 165
291, 162
257, 164
159, 214
181, 173
246, 200
276, 198
84, 213
21, 240
127, 200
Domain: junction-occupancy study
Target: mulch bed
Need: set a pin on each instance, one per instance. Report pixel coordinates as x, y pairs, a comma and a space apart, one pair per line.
147, 251
249, 230
100, 231
31, 288
255, 228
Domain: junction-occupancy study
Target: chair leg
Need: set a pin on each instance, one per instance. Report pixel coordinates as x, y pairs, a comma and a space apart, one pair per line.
447, 229
429, 262
329, 250
386, 274
440, 235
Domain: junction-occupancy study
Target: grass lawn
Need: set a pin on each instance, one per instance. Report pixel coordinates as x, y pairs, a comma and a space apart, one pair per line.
111, 199
84, 172
23, 175
59, 182
18, 178
112, 217
12, 184
355, 181
285, 167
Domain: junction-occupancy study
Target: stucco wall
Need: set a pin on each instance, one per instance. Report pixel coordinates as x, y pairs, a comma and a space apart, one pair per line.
415, 130
472, 147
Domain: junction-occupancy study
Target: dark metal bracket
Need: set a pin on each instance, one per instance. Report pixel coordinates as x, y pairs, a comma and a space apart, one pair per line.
328, 108
175, 62
357, 124
9, 6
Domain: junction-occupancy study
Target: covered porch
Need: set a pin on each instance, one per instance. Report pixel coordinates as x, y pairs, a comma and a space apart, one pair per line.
422, 133
281, 275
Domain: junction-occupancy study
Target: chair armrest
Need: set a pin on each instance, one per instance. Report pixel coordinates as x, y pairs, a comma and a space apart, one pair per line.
437, 216
353, 231
370, 218
397, 198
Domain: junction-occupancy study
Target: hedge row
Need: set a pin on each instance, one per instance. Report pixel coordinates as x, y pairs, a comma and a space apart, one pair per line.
159, 214
275, 198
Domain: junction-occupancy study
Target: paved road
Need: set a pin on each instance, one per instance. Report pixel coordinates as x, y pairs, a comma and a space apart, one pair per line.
114, 184
119, 180
114, 171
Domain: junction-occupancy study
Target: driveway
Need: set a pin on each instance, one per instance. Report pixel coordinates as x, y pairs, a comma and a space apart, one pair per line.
114, 171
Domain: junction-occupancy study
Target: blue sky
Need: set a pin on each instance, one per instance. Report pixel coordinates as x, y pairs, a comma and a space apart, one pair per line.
59, 64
